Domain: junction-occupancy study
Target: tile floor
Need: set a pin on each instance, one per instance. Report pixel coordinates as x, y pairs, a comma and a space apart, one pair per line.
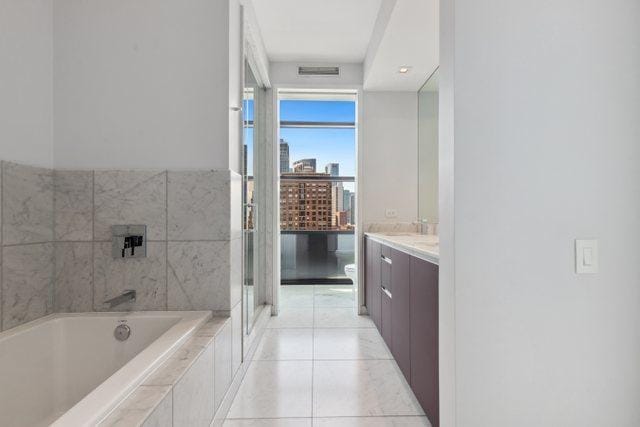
320, 365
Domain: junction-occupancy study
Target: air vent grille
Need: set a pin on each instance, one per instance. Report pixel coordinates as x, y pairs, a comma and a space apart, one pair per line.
318, 71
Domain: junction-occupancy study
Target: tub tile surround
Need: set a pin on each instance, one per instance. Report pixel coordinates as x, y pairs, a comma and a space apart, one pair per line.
130, 197
27, 201
27, 277
64, 216
26, 240
147, 406
73, 206
147, 276
181, 392
197, 203
193, 268
73, 290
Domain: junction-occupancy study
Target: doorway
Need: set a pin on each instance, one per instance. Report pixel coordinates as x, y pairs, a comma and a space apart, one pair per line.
317, 162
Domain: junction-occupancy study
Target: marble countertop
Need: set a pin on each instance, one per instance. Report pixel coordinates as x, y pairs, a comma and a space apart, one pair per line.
423, 246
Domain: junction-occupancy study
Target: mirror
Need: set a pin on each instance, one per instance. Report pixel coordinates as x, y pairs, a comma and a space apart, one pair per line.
428, 98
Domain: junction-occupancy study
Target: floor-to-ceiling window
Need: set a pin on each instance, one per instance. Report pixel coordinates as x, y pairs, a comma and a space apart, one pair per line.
317, 185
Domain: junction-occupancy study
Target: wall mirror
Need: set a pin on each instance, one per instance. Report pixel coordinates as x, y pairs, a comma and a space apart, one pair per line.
428, 98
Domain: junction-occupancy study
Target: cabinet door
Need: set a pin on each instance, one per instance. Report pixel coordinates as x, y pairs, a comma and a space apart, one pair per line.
400, 311
372, 280
385, 318
424, 337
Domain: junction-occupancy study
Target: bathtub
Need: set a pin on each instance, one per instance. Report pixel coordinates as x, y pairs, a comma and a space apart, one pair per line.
69, 369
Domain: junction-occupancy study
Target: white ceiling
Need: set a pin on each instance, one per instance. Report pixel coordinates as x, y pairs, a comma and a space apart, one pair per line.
408, 35
316, 30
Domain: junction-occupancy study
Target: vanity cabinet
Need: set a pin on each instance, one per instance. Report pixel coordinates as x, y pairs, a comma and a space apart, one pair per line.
401, 294
400, 310
424, 336
385, 319
372, 280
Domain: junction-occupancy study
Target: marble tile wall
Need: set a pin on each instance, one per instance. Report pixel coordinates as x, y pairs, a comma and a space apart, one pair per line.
192, 238
27, 265
56, 245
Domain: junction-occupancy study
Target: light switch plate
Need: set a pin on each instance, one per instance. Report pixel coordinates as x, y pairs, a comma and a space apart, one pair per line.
587, 256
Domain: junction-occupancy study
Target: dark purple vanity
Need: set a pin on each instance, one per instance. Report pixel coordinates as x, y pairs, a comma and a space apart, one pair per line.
401, 295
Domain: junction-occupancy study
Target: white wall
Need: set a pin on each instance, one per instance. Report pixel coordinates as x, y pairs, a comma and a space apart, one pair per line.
26, 82
146, 84
547, 149
388, 163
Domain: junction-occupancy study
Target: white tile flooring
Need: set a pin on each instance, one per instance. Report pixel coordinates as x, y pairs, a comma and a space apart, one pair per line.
319, 364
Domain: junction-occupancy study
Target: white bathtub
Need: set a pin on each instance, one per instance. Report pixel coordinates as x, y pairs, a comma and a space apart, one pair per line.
69, 370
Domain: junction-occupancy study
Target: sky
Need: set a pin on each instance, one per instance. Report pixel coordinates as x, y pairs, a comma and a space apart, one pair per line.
325, 145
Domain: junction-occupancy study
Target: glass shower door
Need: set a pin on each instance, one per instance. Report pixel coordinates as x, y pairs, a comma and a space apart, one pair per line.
248, 199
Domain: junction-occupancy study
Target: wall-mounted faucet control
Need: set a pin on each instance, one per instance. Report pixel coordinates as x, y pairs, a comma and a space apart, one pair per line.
129, 241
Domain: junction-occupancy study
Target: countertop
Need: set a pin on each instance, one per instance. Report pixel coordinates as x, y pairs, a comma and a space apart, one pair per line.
423, 246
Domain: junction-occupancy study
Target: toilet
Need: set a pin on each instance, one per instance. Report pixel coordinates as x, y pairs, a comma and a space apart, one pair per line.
350, 271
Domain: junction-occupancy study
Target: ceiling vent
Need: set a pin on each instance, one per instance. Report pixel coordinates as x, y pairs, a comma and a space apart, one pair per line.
319, 71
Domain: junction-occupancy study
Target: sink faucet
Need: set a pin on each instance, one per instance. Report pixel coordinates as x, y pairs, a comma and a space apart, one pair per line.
128, 295
423, 226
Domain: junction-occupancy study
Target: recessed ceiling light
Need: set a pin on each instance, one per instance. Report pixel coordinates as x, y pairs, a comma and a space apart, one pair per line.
404, 69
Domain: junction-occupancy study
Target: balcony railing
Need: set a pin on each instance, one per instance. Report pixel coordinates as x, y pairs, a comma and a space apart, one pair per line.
316, 256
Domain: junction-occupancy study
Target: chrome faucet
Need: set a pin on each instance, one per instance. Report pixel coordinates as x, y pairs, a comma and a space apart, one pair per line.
423, 226
128, 295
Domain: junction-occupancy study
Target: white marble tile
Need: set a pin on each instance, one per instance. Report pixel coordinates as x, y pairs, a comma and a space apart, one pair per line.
330, 317
170, 372
416, 421
285, 344
147, 276
296, 296
223, 364
130, 197
236, 338
349, 344
235, 271
27, 276
334, 296
290, 317
193, 394
73, 205
274, 422
212, 327
27, 204
274, 390
162, 415
361, 388
148, 406
235, 207
198, 205
198, 276
73, 282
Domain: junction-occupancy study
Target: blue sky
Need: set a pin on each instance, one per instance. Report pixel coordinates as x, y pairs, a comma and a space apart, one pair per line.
325, 145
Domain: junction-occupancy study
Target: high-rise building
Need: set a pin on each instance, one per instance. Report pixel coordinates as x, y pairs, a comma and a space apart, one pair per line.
304, 166
346, 197
284, 156
333, 169
337, 199
352, 208
305, 204
341, 220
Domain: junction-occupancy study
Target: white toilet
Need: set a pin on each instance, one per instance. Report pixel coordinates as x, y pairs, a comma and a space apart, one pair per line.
350, 271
